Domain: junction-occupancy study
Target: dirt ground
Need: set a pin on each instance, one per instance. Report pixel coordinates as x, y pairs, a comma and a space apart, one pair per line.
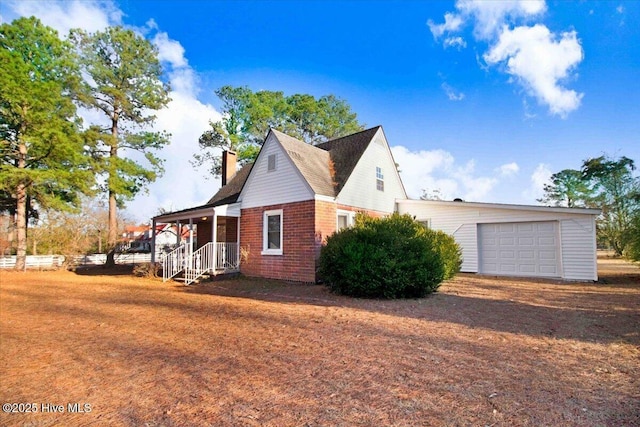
112, 349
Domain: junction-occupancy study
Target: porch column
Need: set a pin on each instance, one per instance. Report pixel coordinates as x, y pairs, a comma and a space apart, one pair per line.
214, 227
190, 235
214, 236
153, 241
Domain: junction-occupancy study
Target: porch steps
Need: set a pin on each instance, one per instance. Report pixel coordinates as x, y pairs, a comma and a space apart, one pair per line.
181, 278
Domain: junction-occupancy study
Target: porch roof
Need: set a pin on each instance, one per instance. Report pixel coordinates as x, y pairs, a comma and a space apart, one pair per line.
228, 209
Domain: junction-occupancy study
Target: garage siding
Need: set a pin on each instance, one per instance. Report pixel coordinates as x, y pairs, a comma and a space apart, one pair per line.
577, 249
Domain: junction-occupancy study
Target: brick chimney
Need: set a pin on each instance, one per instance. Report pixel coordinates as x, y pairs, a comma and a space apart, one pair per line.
228, 166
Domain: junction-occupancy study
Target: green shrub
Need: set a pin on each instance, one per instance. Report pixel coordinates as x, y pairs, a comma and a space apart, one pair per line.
632, 251
449, 251
393, 257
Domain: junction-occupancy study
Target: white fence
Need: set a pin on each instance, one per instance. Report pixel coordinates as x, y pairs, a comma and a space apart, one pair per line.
56, 261
34, 261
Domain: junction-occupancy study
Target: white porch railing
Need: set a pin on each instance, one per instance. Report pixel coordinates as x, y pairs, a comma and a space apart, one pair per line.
173, 262
214, 258
227, 258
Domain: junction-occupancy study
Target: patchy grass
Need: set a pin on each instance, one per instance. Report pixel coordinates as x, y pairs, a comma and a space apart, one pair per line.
481, 351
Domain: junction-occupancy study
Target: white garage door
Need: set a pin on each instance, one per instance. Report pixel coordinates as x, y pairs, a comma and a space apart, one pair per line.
519, 249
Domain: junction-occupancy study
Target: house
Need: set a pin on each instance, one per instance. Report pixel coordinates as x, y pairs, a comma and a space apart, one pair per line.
271, 218
167, 237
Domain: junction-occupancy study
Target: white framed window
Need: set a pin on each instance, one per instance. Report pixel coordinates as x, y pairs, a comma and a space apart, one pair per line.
271, 162
345, 219
426, 223
272, 232
379, 179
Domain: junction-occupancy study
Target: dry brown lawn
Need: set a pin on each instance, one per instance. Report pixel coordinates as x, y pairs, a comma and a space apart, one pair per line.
243, 352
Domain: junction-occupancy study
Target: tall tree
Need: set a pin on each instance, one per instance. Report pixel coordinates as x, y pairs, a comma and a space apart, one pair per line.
617, 194
41, 156
568, 188
248, 115
125, 83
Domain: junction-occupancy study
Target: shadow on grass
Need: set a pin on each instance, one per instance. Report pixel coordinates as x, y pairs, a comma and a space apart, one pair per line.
584, 315
103, 270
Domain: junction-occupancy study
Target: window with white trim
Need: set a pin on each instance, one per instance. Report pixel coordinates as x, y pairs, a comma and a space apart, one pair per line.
345, 219
379, 179
272, 232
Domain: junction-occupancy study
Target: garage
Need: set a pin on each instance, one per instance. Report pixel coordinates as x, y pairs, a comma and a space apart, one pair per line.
515, 240
519, 249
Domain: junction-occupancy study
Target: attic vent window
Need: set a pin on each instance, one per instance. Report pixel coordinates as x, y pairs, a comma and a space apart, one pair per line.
271, 162
379, 179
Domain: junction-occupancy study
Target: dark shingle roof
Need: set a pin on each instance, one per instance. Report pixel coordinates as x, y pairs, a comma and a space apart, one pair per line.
313, 162
345, 153
230, 192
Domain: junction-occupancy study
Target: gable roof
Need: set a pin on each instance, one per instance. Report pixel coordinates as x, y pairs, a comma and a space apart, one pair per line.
345, 153
313, 163
230, 192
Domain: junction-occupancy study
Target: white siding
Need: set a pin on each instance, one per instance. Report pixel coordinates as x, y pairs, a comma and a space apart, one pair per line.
577, 231
579, 248
360, 189
283, 185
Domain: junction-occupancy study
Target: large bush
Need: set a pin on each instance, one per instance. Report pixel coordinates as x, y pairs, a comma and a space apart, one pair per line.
393, 257
449, 251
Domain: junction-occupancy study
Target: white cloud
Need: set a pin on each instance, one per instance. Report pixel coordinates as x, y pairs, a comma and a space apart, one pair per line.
537, 59
508, 169
456, 42
451, 93
185, 117
490, 16
540, 176
65, 15
437, 172
540, 62
170, 51
452, 22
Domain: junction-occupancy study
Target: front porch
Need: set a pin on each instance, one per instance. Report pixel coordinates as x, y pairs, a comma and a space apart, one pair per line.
207, 243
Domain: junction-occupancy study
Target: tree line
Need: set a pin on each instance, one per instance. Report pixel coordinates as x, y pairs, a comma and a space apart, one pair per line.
608, 184
50, 160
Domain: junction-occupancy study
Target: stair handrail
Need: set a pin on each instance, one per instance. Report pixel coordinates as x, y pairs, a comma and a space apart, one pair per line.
173, 263
200, 262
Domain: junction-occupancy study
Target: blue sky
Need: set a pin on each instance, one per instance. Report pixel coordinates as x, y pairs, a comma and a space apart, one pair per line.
481, 100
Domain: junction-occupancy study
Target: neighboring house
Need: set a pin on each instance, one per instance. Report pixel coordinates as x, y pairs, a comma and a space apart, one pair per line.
271, 218
167, 237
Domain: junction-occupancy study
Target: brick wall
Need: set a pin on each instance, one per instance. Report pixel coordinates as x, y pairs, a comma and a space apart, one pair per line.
203, 235
325, 223
297, 262
306, 225
374, 214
